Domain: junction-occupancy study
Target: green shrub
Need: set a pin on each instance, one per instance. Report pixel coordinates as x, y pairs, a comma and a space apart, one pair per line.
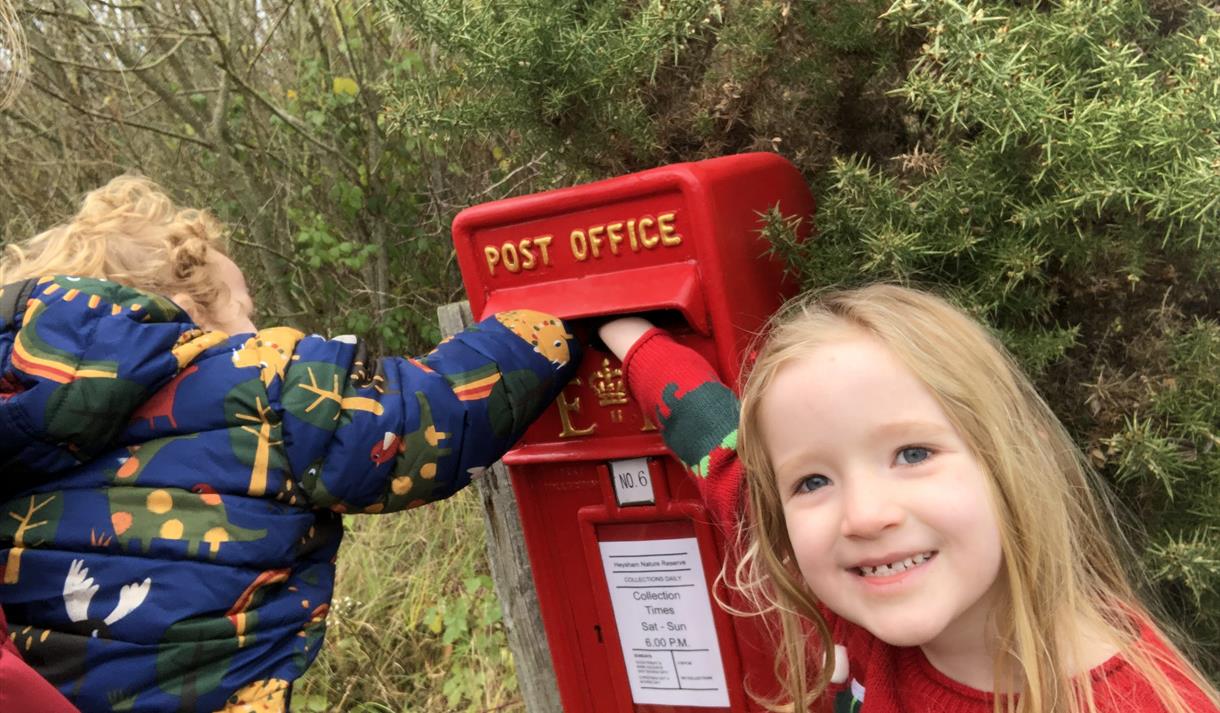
1051, 166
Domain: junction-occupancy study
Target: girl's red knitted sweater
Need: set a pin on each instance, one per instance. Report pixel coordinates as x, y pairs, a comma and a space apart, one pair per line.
698, 417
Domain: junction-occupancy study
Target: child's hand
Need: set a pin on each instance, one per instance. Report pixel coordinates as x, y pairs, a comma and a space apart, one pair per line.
620, 335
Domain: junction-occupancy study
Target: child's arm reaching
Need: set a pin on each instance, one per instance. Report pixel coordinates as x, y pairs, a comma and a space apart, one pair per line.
87, 365
412, 431
696, 411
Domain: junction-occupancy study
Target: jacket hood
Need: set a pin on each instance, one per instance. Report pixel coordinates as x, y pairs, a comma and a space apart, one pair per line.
77, 357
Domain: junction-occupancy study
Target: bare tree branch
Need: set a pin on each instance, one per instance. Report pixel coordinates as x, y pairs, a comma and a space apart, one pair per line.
267, 40
119, 120
116, 70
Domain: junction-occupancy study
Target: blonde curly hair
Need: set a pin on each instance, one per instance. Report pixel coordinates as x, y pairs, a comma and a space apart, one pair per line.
131, 232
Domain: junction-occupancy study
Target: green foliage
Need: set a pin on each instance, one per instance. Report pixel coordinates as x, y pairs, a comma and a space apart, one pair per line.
1193, 564
1178, 445
1052, 167
317, 246
652, 81
1063, 185
470, 628
546, 67
415, 625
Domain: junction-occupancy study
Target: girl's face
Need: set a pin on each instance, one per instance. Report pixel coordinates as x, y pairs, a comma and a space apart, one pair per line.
887, 509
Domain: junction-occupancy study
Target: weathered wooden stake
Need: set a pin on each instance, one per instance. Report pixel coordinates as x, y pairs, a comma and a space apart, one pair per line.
510, 566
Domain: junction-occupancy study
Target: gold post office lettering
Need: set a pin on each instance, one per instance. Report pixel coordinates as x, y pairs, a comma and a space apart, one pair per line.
590, 243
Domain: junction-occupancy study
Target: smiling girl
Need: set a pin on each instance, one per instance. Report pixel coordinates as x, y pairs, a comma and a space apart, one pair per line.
914, 516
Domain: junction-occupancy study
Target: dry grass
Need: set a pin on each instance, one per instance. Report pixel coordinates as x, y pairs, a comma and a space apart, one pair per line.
414, 625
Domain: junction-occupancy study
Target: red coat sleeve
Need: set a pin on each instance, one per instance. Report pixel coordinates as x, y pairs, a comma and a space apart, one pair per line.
697, 414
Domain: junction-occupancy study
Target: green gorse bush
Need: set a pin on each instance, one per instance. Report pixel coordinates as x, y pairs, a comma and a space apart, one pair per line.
1053, 167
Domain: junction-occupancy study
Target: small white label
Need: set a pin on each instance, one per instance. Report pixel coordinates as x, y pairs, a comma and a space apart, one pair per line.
665, 626
632, 481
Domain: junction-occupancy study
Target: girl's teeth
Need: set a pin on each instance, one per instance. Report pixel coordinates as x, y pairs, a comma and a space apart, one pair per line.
886, 570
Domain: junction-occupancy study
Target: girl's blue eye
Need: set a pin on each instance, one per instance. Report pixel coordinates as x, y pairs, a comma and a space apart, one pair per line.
913, 455
810, 483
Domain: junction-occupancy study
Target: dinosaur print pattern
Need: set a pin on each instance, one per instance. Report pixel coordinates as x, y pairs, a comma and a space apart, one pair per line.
333, 395
171, 517
195, 342
161, 405
545, 333
693, 443
62, 656
271, 350
475, 385
418, 455
28, 522
254, 442
265, 696
34, 355
79, 590
139, 457
143, 515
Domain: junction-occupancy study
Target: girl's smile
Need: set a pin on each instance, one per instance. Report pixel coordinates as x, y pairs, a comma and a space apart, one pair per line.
888, 511
890, 569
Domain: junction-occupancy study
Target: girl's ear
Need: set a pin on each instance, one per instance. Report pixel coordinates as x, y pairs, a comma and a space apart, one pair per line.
190, 306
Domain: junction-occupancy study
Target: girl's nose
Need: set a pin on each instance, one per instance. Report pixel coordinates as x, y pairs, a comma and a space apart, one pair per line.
869, 508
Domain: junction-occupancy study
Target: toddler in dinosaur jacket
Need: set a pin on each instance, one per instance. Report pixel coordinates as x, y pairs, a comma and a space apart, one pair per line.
172, 479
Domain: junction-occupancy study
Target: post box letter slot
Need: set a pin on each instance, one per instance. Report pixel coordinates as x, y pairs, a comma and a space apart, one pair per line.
674, 287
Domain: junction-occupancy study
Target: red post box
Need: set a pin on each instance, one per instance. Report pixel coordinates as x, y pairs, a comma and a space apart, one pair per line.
623, 554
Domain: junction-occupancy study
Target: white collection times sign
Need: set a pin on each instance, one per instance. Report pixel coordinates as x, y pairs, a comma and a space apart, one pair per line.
664, 617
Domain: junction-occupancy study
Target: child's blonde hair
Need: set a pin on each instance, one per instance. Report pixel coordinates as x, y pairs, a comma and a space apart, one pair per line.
128, 231
1056, 527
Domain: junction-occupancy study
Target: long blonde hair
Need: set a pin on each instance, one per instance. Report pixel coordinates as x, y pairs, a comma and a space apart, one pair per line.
128, 231
1057, 528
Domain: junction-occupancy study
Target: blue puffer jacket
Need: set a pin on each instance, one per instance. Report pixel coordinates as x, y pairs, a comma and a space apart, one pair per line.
170, 498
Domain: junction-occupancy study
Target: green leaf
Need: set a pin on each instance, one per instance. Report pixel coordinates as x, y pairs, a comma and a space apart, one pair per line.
345, 86
434, 620
315, 703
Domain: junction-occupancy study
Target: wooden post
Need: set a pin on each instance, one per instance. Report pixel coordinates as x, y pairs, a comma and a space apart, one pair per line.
510, 567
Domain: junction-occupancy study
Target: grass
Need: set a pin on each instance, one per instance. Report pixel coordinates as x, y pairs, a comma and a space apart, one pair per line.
415, 625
